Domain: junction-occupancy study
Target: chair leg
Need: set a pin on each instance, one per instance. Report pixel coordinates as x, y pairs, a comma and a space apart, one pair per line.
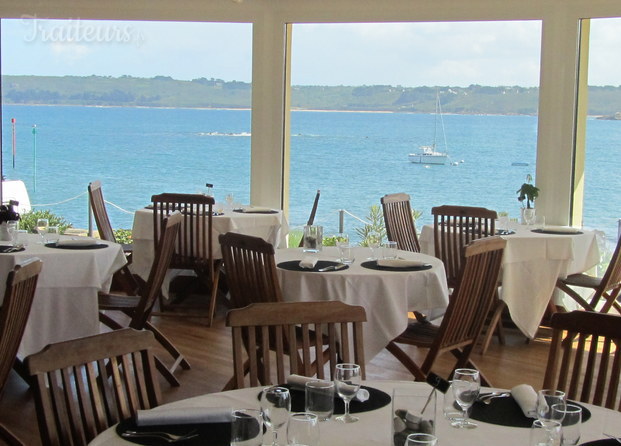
575, 296
166, 373
9, 437
109, 322
170, 348
405, 359
495, 325
214, 296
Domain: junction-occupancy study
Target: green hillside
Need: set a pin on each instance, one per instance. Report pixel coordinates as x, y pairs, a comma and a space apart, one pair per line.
163, 91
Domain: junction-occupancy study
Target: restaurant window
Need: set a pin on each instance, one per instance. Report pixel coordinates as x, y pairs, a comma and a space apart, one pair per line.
145, 107
386, 90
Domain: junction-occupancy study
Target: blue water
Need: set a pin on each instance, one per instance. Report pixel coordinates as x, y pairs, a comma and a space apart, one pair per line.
354, 158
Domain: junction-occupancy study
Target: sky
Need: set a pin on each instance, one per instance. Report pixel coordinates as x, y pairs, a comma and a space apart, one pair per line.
407, 54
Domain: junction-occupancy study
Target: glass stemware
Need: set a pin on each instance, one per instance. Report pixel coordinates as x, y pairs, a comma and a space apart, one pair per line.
275, 408
347, 384
42, 225
466, 385
547, 398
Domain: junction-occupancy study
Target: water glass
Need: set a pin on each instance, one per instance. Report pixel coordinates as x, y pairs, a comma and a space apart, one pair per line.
303, 429
466, 385
545, 433
346, 251
13, 232
528, 216
373, 242
347, 383
571, 416
421, 440
275, 408
320, 399
503, 223
452, 410
42, 225
52, 235
547, 398
313, 238
389, 250
246, 427
540, 222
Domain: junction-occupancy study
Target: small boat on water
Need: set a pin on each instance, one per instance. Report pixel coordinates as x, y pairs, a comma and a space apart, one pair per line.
429, 154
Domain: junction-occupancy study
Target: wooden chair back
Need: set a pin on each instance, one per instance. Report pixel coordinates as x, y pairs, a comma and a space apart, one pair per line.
311, 217
250, 269
161, 263
194, 245
18, 296
470, 302
585, 358
399, 221
85, 385
610, 285
454, 227
98, 205
264, 333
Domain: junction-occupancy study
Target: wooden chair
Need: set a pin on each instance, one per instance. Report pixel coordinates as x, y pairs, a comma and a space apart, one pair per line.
585, 359
123, 279
399, 222
605, 288
194, 247
139, 308
261, 325
85, 385
454, 227
18, 297
311, 217
465, 314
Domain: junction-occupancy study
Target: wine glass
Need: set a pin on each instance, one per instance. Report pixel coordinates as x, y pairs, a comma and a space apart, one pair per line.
275, 407
466, 385
547, 398
347, 383
229, 200
42, 225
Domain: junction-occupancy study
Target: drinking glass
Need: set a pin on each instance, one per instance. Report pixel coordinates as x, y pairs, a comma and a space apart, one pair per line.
319, 398
373, 242
229, 200
546, 398
247, 428
389, 250
303, 429
52, 235
466, 385
545, 434
347, 384
529, 216
42, 225
571, 416
275, 408
421, 440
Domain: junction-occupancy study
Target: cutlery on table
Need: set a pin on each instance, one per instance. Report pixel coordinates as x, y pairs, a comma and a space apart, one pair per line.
167, 437
332, 268
487, 398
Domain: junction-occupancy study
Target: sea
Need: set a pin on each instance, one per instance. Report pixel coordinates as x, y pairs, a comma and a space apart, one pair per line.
354, 158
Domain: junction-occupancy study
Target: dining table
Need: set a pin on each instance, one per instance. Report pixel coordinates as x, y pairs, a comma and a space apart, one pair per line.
387, 294
65, 300
375, 420
534, 258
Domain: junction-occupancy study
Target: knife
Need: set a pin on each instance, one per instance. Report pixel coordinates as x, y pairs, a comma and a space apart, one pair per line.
332, 268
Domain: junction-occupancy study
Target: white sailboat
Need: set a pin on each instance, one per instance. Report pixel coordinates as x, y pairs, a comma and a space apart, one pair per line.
429, 154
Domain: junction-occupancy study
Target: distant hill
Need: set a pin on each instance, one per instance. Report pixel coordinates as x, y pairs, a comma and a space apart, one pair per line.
164, 91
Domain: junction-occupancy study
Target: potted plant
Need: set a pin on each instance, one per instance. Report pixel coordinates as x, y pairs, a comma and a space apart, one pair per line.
528, 192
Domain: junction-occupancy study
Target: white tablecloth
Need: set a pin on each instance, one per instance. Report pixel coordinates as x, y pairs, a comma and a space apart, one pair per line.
387, 296
270, 227
531, 264
374, 427
65, 303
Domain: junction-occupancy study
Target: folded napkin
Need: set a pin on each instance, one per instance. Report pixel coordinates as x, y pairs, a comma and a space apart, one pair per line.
299, 382
82, 241
258, 209
526, 397
399, 263
184, 415
561, 229
308, 262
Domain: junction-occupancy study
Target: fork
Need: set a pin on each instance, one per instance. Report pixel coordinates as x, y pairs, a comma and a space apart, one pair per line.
167, 437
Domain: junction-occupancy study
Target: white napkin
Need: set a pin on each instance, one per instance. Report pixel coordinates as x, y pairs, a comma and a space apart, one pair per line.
526, 397
259, 209
299, 382
399, 263
308, 262
184, 415
561, 229
82, 241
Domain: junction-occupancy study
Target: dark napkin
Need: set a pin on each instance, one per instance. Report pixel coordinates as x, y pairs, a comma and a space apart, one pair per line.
10, 249
603, 442
241, 211
212, 434
543, 231
507, 412
294, 265
372, 264
377, 400
94, 246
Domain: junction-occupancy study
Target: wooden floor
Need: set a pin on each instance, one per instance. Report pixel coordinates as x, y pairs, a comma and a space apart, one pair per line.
209, 353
